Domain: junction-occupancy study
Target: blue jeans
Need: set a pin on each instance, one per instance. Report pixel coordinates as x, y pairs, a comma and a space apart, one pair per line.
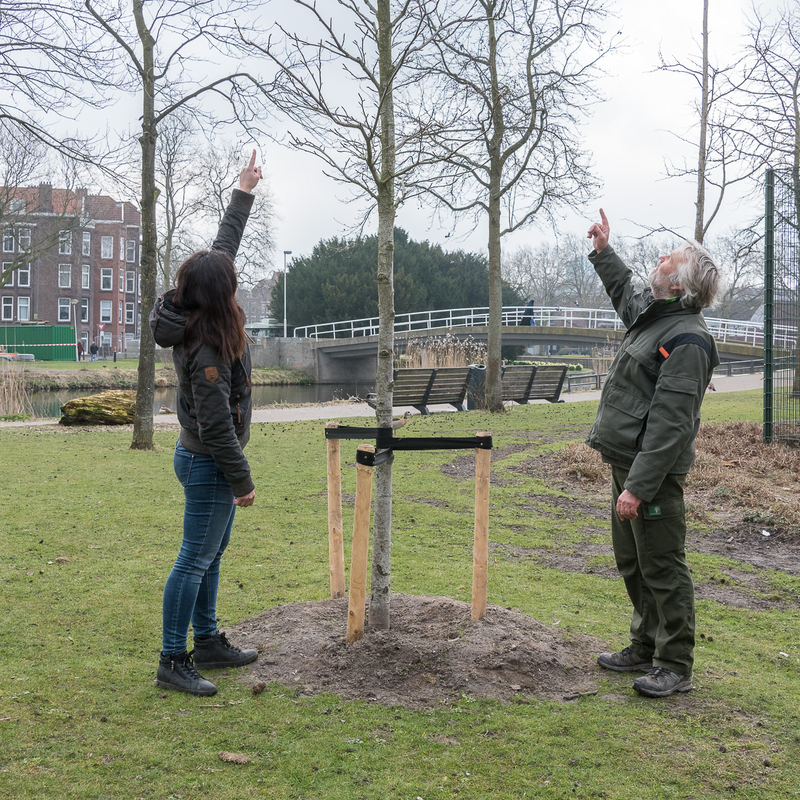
190, 593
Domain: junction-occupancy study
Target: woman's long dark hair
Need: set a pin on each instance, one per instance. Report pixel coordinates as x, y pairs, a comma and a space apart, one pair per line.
205, 290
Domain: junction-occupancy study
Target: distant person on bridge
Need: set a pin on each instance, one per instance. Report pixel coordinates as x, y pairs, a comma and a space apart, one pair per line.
527, 314
204, 325
645, 429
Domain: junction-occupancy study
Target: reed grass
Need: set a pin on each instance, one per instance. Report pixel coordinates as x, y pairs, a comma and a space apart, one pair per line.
443, 351
15, 401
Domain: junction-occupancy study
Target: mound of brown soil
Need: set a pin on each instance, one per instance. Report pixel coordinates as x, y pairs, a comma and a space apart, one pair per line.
432, 654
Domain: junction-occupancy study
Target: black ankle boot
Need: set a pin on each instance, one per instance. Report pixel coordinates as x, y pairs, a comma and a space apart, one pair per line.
213, 652
177, 672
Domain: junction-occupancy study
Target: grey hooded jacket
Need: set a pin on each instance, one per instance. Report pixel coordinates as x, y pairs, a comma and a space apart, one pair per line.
214, 399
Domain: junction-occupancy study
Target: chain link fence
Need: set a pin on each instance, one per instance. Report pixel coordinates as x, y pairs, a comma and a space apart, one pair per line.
782, 306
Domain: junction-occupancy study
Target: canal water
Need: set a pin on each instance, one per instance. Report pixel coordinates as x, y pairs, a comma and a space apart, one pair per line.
48, 404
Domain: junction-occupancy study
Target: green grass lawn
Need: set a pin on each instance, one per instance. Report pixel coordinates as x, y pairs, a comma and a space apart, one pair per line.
80, 716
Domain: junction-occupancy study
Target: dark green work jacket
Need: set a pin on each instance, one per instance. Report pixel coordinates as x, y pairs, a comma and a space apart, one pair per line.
649, 410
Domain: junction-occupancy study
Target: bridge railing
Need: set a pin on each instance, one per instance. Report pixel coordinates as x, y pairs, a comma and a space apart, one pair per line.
724, 330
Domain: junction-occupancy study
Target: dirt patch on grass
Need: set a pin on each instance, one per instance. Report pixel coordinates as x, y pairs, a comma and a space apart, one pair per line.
433, 653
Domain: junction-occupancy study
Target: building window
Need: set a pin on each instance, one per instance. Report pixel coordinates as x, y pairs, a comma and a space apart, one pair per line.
122, 280
63, 309
131, 247
86, 271
24, 276
24, 238
8, 309
23, 309
9, 279
86, 245
65, 243
119, 313
64, 276
17, 205
106, 247
121, 248
129, 320
84, 309
105, 311
8, 240
130, 281
105, 340
106, 279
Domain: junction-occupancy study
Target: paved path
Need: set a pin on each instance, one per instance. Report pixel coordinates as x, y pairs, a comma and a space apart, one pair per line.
737, 383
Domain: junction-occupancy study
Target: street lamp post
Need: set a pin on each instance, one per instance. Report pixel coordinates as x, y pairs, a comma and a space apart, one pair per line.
285, 253
74, 307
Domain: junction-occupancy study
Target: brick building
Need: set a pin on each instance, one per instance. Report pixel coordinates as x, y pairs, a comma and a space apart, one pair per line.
71, 258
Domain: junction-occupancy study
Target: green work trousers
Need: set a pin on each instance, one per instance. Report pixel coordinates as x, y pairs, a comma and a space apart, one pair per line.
651, 558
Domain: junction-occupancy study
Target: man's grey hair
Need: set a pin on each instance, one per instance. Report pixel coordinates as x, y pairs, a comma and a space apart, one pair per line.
698, 275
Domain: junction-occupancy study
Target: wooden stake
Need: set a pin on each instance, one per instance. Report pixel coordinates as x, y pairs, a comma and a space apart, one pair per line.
358, 556
480, 550
335, 534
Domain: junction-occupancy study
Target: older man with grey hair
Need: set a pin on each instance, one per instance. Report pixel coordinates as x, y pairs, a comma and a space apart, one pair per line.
645, 428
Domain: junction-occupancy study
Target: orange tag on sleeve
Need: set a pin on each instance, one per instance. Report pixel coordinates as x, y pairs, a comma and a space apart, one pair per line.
211, 374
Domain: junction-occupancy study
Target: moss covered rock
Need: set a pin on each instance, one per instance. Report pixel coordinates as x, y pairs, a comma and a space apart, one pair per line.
115, 407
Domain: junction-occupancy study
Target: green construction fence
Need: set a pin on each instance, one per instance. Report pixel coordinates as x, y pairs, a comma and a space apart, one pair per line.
43, 342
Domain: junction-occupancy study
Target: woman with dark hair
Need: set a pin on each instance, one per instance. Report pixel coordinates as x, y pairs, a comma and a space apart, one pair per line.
204, 325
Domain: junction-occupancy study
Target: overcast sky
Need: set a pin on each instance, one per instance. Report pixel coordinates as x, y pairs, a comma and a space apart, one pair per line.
629, 136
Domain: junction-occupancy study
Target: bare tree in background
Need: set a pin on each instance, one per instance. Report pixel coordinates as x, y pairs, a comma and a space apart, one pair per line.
161, 49
581, 286
770, 134
742, 257
719, 161
346, 79
178, 180
222, 163
520, 75
770, 107
536, 272
25, 160
22, 159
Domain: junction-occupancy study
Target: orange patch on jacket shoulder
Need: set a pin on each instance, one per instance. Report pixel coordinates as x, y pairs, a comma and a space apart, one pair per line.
211, 374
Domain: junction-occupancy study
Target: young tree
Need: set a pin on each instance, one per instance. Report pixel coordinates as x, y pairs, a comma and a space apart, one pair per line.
162, 48
345, 78
519, 75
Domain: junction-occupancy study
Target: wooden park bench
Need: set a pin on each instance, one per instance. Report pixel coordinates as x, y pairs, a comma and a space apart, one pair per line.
421, 387
524, 382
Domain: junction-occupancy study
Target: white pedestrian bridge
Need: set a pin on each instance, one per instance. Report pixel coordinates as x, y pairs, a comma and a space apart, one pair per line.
550, 323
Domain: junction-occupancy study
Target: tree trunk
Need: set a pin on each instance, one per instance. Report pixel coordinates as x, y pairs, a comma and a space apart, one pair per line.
699, 222
143, 422
379, 602
494, 349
